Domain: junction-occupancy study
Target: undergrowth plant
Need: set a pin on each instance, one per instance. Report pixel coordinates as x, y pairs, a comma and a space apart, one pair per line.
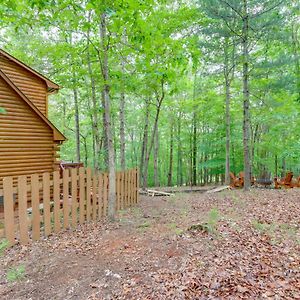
16, 273
210, 226
3, 245
213, 219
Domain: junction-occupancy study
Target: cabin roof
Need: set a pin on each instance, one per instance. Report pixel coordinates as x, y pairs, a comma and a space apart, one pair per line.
58, 136
52, 86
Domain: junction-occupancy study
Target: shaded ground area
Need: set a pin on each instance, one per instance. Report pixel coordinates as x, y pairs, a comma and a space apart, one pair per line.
229, 245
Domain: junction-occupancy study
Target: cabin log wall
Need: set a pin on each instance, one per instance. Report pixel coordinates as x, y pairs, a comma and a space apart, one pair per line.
31, 86
26, 142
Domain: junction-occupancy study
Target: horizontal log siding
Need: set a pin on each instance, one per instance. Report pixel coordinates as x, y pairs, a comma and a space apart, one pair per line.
26, 142
32, 86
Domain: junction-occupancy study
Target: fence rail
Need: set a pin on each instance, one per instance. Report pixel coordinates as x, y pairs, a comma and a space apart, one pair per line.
49, 203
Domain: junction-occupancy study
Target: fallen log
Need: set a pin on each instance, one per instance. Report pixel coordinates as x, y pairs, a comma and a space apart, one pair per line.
219, 189
155, 193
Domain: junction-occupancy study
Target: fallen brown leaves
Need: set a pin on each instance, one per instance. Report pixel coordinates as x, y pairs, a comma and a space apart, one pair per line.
252, 252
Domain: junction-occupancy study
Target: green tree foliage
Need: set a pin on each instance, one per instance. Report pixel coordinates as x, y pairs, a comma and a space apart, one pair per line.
166, 62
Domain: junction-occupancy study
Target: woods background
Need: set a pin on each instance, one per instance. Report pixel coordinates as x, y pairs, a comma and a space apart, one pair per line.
186, 90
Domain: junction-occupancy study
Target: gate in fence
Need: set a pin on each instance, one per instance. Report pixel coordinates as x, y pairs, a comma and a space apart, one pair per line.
38, 205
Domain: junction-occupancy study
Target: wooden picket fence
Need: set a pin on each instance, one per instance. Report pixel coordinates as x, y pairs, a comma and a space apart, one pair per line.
49, 203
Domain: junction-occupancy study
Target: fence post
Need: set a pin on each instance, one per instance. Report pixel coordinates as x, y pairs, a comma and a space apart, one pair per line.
9, 221
22, 200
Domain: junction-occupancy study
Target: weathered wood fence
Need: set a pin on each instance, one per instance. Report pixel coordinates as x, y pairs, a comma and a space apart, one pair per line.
48, 203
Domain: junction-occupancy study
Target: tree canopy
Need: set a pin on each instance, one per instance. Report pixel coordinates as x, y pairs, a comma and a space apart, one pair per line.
181, 89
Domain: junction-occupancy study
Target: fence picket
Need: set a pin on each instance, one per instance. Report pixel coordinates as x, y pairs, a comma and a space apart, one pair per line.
131, 188
84, 197
56, 198
66, 208
9, 221
128, 189
125, 189
46, 203
137, 185
22, 201
35, 204
94, 196
122, 190
74, 193
100, 196
117, 190
105, 194
81, 195
88, 193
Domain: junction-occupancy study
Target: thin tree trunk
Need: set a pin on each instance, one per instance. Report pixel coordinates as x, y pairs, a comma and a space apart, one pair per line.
77, 126
122, 122
95, 119
122, 131
296, 46
179, 154
194, 143
64, 116
194, 153
144, 143
283, 173
276, 166
170, 174
155, 157
246, 96
107, 124
158, 107
227, 113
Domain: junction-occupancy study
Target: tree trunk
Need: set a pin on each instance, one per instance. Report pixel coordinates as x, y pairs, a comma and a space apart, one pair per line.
227, 113
144, 143
122, 123
276, 166
179, 154
170, 174
246, 96
107, 124
296, 46
283, 172
95, 119
77, 128
194, 161
155, 157
159, 100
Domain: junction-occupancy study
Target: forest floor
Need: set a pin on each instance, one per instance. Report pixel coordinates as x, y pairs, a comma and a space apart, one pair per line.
228, 245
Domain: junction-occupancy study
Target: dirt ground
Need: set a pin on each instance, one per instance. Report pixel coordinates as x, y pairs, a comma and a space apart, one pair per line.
228, 245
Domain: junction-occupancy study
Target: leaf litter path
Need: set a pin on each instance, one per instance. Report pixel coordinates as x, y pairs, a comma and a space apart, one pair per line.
242, 246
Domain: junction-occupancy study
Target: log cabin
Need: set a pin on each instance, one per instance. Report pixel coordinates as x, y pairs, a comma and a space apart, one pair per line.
29, 142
